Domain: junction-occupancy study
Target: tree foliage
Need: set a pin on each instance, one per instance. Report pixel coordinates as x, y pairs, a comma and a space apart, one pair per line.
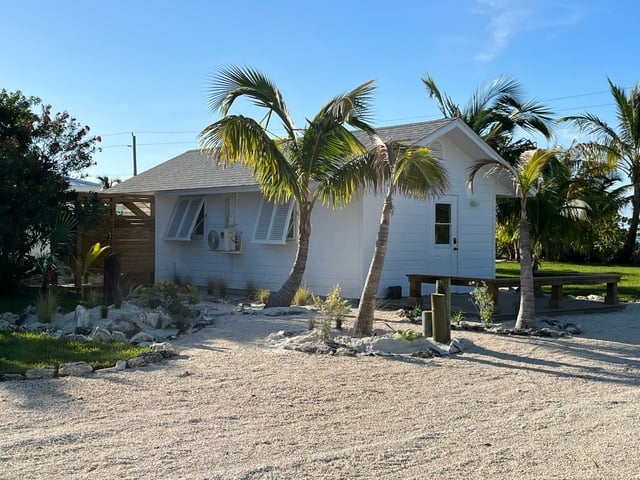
317, 163
39, 150
618, 145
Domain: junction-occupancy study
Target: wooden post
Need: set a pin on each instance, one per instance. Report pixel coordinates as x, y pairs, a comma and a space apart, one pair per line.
441, 324
111, 275
444, 286
427, 324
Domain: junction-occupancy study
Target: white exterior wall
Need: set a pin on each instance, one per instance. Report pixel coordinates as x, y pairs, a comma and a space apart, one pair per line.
333, 252
342, 241
412, 228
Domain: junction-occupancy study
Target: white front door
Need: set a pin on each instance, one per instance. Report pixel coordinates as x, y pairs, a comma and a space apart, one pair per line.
442, 254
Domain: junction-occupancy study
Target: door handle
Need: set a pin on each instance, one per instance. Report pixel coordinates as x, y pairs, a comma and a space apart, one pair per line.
455, 244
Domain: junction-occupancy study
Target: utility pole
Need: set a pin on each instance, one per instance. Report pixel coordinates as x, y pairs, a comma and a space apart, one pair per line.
135, 162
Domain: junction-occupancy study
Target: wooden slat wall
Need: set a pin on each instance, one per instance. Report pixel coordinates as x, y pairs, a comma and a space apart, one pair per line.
130, 231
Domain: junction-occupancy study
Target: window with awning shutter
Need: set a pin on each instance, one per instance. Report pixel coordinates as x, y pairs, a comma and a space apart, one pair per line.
184, 219
275, 223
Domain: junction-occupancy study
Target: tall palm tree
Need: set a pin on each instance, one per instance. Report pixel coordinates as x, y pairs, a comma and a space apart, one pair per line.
320, 162
619, 144
495, 111
407, 170
524, 174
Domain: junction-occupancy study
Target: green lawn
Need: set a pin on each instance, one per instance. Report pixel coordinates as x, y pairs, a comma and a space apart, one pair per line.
20, 351
628, 288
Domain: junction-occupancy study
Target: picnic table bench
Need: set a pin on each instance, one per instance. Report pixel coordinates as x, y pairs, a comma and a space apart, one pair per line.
556, 281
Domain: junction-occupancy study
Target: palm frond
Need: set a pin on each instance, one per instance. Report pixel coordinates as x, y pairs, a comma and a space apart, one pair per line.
491, 167
234, 82
418, 173
236, 138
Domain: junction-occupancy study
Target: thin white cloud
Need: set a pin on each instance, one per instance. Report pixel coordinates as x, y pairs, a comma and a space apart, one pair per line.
506, 20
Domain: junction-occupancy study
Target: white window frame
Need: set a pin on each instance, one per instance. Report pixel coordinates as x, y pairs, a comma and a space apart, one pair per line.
274, 222
184, 218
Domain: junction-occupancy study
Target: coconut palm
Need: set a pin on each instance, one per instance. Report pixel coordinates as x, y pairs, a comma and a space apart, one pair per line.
320, 162
524, 174
407, 170
619, 144
495, 111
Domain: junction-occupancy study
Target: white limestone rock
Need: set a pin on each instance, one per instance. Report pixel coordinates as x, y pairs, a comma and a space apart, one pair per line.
74, 369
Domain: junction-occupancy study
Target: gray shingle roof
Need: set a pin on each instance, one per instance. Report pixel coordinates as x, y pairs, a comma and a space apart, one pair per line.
193, 170
409, 133
189, 170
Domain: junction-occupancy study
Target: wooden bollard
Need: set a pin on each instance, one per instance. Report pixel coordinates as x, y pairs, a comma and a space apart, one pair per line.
441, 323
444, 286
427, 324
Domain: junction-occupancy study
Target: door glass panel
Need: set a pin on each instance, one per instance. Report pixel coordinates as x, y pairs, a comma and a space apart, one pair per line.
443, 224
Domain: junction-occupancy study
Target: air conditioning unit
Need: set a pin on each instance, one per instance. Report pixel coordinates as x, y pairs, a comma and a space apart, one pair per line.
213, 240
231, 240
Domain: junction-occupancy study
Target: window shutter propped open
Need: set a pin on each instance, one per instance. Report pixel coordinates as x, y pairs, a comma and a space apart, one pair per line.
272, 224
184, 217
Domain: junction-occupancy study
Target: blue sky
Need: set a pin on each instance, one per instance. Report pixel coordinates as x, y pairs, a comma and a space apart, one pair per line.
144, 67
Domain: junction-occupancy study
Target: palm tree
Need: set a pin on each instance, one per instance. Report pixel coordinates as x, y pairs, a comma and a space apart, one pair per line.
524, 174
495, 111
619, 145
107, 182
320, 162
410, 171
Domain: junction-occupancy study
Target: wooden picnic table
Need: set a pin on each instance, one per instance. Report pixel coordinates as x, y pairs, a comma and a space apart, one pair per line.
556, 281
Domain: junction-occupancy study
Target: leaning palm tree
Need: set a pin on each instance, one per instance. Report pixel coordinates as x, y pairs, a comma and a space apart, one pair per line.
407, 170
524, 174
495, 111
619, 145
321, 162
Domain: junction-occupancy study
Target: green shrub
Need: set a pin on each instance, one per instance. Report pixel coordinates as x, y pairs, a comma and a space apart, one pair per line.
46, 305
483, 301
169, 296
457, 317
333, 309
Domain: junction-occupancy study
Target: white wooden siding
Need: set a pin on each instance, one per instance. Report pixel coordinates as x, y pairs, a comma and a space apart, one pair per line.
342, 242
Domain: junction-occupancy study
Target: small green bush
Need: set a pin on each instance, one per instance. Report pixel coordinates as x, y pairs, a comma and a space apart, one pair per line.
333, 309
457, 317
46, 305
483, 301
169, 296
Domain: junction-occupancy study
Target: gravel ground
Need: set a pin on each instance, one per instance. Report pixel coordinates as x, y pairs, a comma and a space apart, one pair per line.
230, 408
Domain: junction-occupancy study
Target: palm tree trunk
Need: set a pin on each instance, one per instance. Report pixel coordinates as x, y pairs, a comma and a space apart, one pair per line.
284, 296
367, 305
526, 313
626, 252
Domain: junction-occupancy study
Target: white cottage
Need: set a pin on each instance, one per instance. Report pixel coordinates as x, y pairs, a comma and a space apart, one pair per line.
214, 221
